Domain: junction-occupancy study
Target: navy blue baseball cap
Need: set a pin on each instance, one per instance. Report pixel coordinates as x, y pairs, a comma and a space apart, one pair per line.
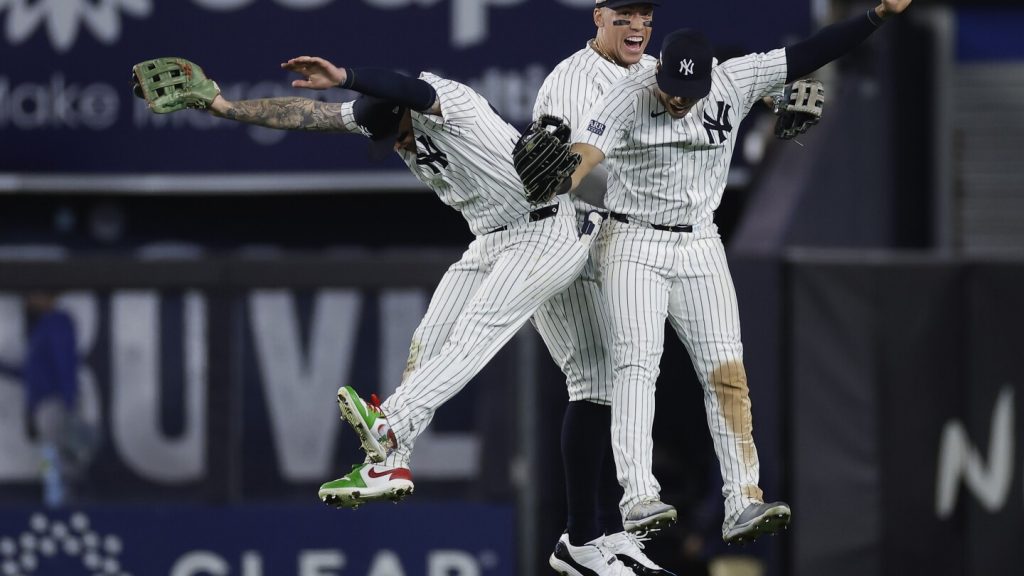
381, 119
621, 3
686, 57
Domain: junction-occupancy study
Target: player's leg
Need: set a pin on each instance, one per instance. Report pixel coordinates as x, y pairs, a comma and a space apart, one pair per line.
367, 482
521, 268
529, 264
572, 325
636, 291
704, 312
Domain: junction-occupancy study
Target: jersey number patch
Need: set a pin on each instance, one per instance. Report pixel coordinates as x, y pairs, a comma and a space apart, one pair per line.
432, 156
718, 125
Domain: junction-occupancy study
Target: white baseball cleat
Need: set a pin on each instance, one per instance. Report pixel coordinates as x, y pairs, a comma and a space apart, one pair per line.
628, 548
586, 560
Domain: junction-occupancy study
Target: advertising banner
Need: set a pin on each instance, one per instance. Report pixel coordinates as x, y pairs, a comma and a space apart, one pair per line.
907, 404
259, 540
68, 121
229, 390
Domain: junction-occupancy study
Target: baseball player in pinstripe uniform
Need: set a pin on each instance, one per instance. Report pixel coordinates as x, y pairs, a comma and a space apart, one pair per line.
666, 136
456, 144
574, 324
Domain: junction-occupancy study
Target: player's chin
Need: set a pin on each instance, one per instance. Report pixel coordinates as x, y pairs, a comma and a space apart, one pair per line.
678, 112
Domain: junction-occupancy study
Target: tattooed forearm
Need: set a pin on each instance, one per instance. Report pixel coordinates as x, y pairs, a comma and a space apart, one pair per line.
287, 114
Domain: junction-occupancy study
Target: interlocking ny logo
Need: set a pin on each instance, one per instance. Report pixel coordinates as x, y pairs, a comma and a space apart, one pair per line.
432, 155
719, 124
686, 67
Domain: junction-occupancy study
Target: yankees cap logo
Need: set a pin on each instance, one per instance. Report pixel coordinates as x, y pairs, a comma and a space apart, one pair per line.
686, 67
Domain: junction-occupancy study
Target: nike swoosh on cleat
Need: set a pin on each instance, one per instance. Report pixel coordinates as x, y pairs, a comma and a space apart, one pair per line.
374, 474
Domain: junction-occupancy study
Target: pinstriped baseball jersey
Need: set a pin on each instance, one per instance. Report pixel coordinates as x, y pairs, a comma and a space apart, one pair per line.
465, 156
574, 324
649, 179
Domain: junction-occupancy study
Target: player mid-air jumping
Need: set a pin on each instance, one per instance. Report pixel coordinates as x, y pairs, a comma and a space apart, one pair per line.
666, 136
575, 324
455, 143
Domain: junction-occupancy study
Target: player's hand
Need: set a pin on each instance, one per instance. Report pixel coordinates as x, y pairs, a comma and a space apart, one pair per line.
317, 73
891, 7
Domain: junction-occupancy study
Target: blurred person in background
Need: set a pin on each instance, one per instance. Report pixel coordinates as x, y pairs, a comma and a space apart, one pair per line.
50, 376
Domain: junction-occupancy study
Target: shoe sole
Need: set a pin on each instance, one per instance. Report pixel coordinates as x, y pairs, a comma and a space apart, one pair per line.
638, 567
350, 414
652, 523
769, 523
563, 569
353, 499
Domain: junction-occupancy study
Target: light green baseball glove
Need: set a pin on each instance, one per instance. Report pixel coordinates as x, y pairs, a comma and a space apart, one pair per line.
172, 84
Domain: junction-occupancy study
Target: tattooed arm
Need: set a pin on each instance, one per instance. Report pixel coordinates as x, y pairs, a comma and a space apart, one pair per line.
285, 113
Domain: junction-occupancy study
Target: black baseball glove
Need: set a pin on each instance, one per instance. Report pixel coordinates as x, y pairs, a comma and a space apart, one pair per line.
543, 159
799, 108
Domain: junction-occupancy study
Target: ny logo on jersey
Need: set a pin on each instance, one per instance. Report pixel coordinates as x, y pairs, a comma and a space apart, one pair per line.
719, 124
431, 156
686, 67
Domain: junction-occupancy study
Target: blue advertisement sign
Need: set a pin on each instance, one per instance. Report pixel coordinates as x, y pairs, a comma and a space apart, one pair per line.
68, 121
198, 396
452, 539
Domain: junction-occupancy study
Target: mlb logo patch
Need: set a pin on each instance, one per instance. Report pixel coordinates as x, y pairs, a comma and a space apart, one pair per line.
596, 127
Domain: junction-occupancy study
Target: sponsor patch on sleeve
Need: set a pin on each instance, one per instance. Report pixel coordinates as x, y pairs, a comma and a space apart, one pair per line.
596, 127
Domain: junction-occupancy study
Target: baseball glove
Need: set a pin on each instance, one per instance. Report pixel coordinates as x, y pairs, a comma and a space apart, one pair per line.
172, 84
799, 108
543, 160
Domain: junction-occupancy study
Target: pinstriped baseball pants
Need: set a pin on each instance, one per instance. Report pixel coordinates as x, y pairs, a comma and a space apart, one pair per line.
649, 276
482, 301
575, 328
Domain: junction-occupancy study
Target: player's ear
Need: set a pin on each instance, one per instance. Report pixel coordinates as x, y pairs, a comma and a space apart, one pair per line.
598, 17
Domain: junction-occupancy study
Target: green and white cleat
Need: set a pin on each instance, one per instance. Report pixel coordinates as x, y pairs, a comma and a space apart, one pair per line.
369, 422
367, 483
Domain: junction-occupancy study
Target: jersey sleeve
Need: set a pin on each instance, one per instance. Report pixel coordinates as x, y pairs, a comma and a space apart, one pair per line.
348, 118
755, 76
459, 103
612, 116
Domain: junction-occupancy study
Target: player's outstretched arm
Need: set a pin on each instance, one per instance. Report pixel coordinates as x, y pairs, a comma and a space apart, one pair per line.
172, 84
412, 93
836, 40
285, 113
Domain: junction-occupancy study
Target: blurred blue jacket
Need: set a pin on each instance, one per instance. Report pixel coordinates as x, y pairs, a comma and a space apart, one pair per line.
51, 366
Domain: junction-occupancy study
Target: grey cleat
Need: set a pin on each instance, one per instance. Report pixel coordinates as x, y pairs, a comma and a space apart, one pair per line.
649, 516
757, 520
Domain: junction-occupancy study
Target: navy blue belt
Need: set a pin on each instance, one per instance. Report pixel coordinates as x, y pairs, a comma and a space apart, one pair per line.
665, 227
535, 215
